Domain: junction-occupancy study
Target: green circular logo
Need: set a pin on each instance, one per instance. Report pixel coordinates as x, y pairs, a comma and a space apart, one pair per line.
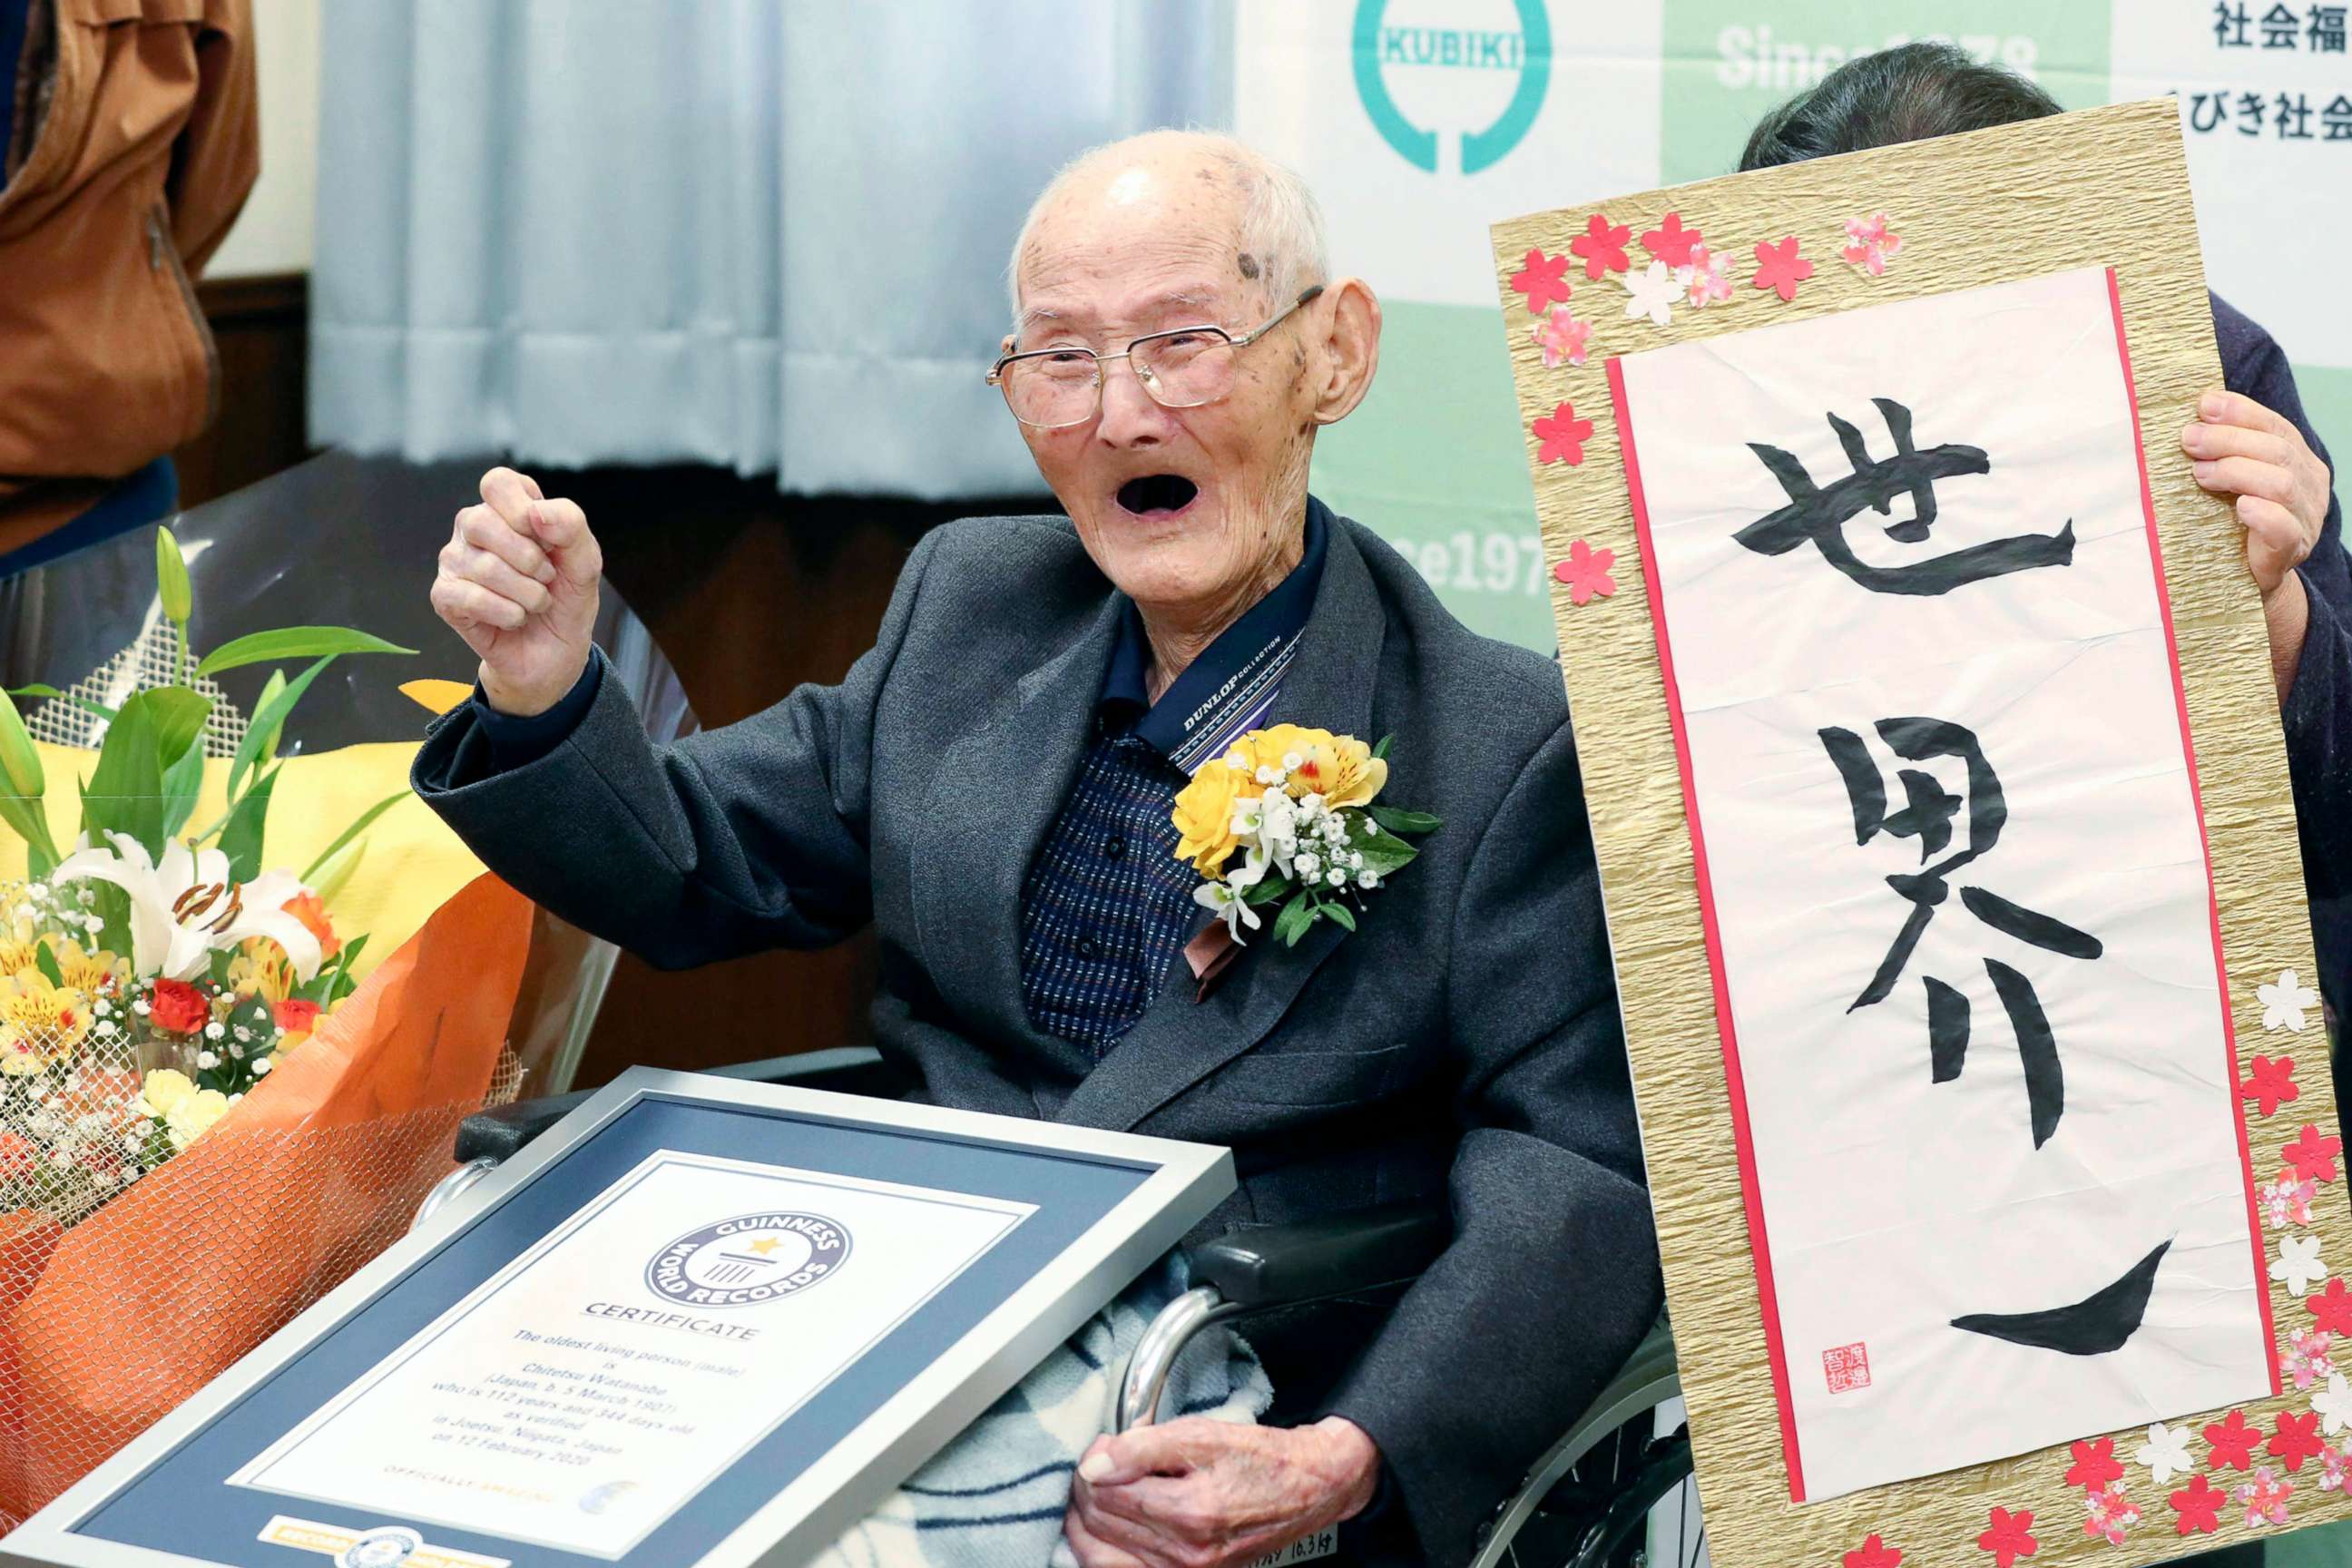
1380, 44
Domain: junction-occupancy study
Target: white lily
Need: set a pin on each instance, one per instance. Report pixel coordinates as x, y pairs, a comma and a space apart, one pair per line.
186, 909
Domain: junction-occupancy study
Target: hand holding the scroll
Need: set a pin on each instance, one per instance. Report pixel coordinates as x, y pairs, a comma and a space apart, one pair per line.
518, 581
1197, 1493
2243, 450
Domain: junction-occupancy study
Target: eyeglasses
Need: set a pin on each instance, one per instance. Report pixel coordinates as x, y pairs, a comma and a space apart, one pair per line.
1184, 367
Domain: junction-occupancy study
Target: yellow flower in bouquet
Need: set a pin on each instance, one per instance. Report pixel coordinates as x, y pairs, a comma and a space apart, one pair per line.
194, 1117
1204, 814
163, 1089
88, 972
262, 969
39, 1021
20, 951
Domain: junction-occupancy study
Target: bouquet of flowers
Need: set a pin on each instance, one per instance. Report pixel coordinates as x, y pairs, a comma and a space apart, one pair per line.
151, 977
210, 1111
1299, 805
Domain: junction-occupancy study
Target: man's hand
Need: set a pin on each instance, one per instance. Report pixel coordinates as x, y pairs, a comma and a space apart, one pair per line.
2243, 450
518, 582
1198, 1493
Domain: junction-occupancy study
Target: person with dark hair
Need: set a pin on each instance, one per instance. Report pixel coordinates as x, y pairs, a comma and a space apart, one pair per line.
2251, 442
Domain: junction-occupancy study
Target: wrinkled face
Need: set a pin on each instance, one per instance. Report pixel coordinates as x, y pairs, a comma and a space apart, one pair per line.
1183, 509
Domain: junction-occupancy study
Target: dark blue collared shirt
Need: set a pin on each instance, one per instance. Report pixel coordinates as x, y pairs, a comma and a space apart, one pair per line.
1107, 907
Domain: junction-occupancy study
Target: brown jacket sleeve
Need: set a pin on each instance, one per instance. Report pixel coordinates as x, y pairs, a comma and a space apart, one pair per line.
219, 152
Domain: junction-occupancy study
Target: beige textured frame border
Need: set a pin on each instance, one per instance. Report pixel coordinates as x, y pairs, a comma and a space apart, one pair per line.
2102, 187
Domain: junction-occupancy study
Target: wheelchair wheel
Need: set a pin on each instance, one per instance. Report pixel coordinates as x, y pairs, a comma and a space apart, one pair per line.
1599, 1515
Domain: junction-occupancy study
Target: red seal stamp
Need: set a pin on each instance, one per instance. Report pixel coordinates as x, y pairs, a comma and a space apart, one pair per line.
1847, 1368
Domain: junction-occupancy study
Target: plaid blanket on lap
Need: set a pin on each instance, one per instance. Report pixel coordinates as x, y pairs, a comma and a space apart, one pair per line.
994, 1498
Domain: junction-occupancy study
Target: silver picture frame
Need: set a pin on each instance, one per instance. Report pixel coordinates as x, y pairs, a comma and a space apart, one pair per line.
1184, 1182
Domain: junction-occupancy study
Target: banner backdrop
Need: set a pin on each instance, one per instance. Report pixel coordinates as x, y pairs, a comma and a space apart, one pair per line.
1418, 122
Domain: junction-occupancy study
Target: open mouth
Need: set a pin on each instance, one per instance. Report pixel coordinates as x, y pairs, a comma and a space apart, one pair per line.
1157, 494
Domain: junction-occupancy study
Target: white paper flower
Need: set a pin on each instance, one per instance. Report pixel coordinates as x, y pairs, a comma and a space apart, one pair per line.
2165, 1452
184, 910
1652, 293
2298, 1264
2284, 1003
2333, 1404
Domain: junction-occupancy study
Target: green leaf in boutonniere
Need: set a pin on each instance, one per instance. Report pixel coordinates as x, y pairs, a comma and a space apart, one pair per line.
1398, 821
1383, 852
1295, 917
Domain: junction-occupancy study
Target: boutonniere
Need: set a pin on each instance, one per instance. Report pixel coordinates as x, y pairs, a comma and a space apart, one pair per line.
1296, 805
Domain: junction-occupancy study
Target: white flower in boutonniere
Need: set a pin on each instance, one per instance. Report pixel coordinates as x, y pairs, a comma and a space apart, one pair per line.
1297, 804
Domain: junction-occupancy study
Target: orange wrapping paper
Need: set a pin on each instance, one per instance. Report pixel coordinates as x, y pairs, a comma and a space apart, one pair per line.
107, 1327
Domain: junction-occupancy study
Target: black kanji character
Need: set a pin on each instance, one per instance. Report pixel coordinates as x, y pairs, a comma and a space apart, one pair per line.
2326, 34
2337, 118
2279, 27
1927, 815
2296, 111
1819, 514
2224, 24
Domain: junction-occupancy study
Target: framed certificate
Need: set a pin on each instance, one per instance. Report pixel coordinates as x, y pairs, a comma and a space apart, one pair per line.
699, 1321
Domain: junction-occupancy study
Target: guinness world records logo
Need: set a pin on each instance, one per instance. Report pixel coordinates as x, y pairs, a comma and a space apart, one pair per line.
748, 1259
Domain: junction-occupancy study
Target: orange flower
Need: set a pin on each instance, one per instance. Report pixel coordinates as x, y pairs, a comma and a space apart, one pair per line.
305, 907
296, 1016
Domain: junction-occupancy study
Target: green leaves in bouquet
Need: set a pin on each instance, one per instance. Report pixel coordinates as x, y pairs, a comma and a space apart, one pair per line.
334, 980
358, 827
268, 721
22, 785
293, 642
126, 792
242, 831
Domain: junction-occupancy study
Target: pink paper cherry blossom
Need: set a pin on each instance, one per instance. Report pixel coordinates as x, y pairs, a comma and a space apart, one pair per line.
1586, 572
1869, 243
1561, 337
1561, 436
1702, 278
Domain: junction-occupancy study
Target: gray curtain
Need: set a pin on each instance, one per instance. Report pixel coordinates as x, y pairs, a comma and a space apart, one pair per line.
766, 233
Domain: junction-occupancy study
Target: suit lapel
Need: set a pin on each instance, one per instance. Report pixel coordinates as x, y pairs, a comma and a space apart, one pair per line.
1178, 1042
996, 794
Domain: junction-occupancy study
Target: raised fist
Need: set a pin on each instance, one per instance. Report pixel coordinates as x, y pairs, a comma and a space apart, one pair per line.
518, 582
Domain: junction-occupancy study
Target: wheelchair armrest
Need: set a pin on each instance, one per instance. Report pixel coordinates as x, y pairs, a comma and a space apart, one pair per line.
1336, 1254
498, 1134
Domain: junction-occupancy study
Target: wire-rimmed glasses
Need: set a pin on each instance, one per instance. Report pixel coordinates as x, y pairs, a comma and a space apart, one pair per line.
1184, 367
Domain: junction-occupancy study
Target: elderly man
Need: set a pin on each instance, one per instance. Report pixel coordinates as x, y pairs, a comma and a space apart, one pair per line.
991, 788
2250, 442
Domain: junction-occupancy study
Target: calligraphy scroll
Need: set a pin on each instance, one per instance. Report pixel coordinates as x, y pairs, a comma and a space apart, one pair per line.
1931, 750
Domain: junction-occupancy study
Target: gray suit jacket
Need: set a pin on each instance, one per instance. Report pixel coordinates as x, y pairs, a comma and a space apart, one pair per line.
1465, 1039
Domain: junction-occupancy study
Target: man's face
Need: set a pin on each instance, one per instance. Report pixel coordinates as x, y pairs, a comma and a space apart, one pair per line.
1182, 509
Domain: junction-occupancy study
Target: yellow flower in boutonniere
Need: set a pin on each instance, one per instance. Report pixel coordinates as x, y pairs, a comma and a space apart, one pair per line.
1299, 801
1339, 768
1204, 814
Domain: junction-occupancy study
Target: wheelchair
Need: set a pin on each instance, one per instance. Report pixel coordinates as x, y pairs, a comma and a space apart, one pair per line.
1587, 1503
